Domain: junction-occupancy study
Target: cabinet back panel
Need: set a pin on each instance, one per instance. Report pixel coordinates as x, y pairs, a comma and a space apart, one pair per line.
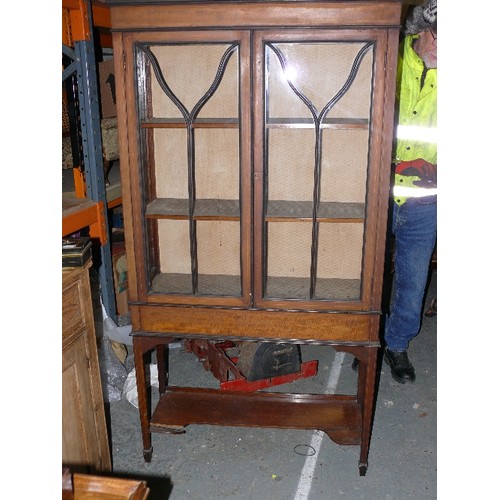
170, 157
289, 249
291, 164
217, 157
344, 165
340, 249
219, 247
173, 243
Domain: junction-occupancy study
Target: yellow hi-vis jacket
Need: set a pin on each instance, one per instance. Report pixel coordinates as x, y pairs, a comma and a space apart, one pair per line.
416, 132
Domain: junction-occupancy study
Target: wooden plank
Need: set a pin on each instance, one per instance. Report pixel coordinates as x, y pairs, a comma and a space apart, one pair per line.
236, 14
255, 324
180, 406
331, 211
336, 123
204, 209
198, 123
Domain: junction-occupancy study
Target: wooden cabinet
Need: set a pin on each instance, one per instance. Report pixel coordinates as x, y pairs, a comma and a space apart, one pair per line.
84, 433
255, 147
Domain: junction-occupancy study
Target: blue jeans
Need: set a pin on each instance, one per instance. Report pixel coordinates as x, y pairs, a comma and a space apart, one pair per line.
414, 226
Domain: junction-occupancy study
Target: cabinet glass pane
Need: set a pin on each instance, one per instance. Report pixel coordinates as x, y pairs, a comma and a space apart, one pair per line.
190, 70
317, 121
344, 166
291, 155
339, 261
189, 107
217, 164
174, 259
170, 159
218, 245
219, 258
288, 260
320, 71
216, 161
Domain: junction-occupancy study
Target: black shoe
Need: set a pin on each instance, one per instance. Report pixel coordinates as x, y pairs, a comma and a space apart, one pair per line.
401, 369
355, 364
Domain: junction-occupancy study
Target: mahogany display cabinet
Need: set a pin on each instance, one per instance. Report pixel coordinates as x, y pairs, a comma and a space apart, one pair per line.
255, 150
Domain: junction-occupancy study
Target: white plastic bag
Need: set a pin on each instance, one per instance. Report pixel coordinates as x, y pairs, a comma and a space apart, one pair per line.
130, 385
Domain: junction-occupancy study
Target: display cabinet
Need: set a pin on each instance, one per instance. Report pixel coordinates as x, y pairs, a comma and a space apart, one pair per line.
255, 149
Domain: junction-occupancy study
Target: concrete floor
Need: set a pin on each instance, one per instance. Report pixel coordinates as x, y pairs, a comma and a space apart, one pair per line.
209, 462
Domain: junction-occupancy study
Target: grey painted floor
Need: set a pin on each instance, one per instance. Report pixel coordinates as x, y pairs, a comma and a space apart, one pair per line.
209, 462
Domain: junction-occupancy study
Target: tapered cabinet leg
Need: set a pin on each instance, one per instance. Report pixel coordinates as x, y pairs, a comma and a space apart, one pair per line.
142, 397
162, 358
366, 395
362, 468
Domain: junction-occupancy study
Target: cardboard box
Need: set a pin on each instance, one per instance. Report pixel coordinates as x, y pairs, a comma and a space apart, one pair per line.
121, 282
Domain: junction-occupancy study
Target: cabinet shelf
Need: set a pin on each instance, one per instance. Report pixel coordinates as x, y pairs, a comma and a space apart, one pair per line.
288, 288
198, 123
339, 416
277, 210
176, 208
338, 123
280, 288
283, 210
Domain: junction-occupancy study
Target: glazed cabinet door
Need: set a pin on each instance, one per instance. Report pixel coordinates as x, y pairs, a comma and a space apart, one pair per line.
189, 166
318, 155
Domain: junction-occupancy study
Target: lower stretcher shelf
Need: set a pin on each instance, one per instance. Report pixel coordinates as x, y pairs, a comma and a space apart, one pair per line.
338, 416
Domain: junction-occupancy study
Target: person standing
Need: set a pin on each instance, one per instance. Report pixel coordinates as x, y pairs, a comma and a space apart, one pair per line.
414, 196
414, 216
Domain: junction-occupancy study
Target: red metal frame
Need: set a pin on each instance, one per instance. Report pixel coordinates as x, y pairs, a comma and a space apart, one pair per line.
216, 358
